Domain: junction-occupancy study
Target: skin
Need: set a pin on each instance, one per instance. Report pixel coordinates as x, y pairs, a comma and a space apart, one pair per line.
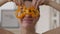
50, 3
2, 2
55, 5
27, 24
3, 31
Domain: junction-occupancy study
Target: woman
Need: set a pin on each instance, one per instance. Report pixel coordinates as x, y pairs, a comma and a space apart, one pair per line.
27, 20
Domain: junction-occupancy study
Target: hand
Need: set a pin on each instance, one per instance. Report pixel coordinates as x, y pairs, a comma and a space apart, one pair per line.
18, 2
36, 3
45, 2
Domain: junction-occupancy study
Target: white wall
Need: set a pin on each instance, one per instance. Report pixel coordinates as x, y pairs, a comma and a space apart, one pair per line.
0, 14
43, 23
9, 6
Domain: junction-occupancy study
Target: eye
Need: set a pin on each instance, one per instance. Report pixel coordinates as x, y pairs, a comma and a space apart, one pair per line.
29, 10
34, 11
21, 10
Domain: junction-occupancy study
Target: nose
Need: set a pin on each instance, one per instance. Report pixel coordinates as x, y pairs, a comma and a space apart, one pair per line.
28, 16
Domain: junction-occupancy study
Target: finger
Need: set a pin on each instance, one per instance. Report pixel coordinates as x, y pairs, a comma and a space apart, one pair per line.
37, 4
16, 1
41, 2
34, 2
19, 2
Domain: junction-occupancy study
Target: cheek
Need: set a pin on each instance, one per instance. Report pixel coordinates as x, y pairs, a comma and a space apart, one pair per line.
20, 21
36, 20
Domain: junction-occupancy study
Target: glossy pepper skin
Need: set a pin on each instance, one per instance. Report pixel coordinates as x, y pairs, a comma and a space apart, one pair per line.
22, 11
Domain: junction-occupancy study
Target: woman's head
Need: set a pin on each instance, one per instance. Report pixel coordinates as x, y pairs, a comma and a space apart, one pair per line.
29, 17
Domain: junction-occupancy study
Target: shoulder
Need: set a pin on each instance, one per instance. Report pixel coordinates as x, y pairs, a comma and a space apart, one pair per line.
3, 31
54, 31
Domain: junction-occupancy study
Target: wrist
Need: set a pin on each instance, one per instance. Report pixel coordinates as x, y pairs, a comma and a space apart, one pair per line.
50, 2
6, 0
